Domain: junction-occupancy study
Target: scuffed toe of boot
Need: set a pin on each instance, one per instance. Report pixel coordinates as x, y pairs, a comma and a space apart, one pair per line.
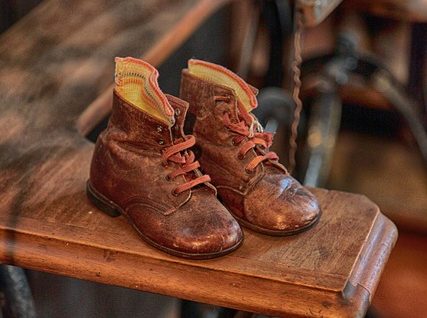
200, 229
279, 206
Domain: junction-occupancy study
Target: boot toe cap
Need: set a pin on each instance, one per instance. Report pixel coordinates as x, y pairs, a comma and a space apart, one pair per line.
290, 211
189, 232
209, 239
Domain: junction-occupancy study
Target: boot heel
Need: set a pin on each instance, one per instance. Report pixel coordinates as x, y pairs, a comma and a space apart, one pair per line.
101, 202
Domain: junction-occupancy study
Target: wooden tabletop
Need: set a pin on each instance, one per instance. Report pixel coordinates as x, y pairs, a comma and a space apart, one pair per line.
53, 64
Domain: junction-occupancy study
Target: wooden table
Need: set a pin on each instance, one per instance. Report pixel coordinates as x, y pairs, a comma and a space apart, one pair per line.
53, 64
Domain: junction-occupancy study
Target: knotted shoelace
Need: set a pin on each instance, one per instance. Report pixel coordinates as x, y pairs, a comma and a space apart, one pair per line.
179, 153
250, 136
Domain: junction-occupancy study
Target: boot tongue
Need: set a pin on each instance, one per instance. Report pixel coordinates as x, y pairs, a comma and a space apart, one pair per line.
136, 82
217, 74
180, 108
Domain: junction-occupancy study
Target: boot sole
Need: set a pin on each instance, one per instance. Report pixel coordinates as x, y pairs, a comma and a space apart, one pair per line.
113, 210
265, 231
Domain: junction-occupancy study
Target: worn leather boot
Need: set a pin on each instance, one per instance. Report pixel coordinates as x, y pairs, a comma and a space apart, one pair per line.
234, 151
142, 168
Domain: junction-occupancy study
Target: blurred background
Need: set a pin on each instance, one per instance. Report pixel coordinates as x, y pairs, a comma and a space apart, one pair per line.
362, 129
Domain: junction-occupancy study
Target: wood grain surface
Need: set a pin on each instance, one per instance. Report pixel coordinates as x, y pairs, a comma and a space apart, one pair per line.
53, 64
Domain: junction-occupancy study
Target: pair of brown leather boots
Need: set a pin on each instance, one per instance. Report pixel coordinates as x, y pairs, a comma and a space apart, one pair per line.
143, 167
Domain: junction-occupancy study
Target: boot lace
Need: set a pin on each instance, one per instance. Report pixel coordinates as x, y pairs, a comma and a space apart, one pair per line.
251, 136
179, 153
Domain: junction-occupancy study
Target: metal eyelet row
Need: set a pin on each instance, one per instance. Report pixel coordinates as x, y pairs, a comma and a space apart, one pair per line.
160, 130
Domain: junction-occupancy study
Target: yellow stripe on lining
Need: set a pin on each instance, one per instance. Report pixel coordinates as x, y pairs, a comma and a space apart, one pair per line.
220, 75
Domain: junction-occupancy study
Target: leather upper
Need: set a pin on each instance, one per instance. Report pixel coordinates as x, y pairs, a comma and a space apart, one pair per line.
267, 197
128, 169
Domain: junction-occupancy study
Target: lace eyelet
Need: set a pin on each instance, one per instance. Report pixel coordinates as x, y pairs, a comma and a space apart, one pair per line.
161, 142
240, 157
168, 178
174, 193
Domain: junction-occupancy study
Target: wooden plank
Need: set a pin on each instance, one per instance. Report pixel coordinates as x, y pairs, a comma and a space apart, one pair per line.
101, 107
331, 270
52, 65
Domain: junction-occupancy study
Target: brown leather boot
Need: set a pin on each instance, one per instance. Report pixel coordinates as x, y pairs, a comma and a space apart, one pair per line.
142, 168
234, 151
